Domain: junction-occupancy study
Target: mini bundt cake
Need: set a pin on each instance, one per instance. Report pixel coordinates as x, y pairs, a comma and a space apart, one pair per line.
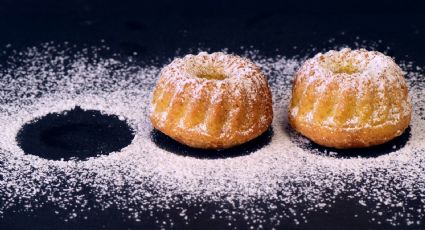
212, 101
350, 99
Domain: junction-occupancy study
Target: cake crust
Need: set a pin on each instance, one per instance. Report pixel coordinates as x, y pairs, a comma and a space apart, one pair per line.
350, 99
211, 101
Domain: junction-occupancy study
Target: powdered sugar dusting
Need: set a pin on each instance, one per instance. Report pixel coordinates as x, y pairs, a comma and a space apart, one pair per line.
234, 93
291, 182
354, 72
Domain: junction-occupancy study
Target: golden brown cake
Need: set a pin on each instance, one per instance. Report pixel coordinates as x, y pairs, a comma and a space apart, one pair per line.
212, 101
350, 99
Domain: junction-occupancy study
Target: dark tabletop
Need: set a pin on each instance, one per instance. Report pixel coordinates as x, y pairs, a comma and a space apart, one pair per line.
158, 30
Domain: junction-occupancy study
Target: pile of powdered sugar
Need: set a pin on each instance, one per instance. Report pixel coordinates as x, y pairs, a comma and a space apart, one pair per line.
288, 180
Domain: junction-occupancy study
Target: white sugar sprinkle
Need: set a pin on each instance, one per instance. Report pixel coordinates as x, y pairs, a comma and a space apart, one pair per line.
290, 180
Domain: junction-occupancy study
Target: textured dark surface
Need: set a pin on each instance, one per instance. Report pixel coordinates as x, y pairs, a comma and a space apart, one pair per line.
75, 134
166, 143
160, 29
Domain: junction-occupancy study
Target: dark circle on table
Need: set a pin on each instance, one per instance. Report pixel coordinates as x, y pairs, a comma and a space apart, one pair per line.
74, 134
166, 143
369, 152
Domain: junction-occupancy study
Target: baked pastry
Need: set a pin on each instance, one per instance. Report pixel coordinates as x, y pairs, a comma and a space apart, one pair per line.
212, 101
350, 99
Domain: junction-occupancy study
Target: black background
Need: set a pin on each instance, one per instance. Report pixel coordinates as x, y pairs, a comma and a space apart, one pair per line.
159, 29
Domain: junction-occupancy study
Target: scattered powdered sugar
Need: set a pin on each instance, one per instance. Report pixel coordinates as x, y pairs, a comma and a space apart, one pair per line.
281, 181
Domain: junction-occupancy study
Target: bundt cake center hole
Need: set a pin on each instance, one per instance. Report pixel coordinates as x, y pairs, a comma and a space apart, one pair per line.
347, 67
74, 134
210, 72
212, 76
